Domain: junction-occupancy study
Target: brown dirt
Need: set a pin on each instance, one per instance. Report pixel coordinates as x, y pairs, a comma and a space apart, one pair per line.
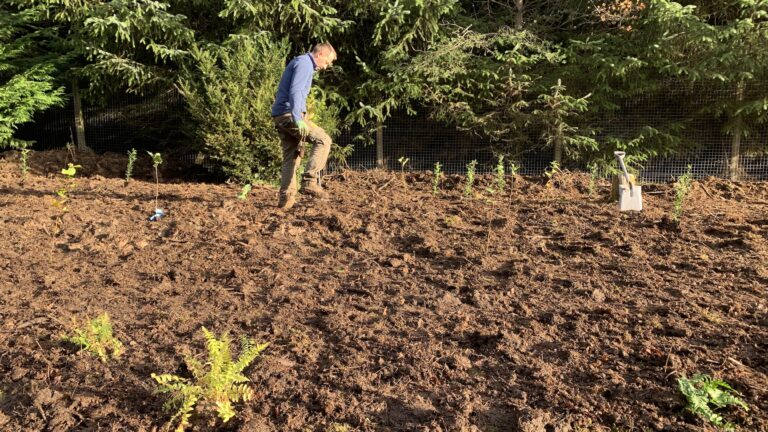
386, 308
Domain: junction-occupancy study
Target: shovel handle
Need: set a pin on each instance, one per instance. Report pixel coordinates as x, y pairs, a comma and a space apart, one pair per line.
620, 156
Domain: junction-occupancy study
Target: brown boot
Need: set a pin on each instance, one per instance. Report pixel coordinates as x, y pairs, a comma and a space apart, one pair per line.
313, 188
286, 201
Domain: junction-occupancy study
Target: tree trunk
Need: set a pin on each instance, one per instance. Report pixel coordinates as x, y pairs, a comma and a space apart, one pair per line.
79, 119
519, 16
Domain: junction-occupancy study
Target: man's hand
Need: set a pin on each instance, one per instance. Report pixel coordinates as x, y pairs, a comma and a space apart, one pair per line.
303, 128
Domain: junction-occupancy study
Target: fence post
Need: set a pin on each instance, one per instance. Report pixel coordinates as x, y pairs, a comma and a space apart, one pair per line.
734, 164
79, 120
379, 145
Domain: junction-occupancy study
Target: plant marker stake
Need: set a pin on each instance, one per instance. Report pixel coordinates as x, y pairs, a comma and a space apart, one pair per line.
159, 213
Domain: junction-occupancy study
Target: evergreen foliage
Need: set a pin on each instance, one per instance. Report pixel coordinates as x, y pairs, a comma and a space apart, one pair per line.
230, 89
28, 68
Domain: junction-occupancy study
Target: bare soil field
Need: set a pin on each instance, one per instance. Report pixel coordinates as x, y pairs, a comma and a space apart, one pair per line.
387, 308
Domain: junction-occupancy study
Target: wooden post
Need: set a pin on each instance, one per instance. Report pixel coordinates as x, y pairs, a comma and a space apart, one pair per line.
379, 146
79, 119
734, 164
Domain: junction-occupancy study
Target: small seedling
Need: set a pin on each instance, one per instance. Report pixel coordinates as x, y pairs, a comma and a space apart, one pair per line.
244, 192
704, 394
500, 180
513, 170
552, 170
157, 159
470, 180
63, 193
403, 161
437, 175
682, 188
594, 173
97, 338
24, 161
216, 384
132, 155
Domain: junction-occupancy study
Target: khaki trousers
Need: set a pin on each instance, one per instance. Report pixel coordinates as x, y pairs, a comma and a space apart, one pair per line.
293, 151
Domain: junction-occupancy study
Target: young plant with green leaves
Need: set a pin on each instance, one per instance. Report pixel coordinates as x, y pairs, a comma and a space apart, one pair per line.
243, 195
499, 180
682, 189
96, 337
594, 173
706, 394
24, 160
70, 184
157, 160
437, 175
215, 385
556, 111
403, 161
470, 179
132, 155
553, 170
513, 170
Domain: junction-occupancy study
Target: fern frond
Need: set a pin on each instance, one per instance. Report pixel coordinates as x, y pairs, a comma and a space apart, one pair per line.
248, 354
240, 392
185, 412
167, 379
224, 410
195, 367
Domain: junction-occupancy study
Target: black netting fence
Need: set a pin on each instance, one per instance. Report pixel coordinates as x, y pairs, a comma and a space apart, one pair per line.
152, 123
692, 115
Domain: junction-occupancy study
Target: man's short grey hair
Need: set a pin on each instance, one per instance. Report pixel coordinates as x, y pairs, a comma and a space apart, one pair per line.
324, 47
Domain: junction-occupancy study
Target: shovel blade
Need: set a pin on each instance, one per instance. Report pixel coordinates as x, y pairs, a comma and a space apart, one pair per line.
630, 198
